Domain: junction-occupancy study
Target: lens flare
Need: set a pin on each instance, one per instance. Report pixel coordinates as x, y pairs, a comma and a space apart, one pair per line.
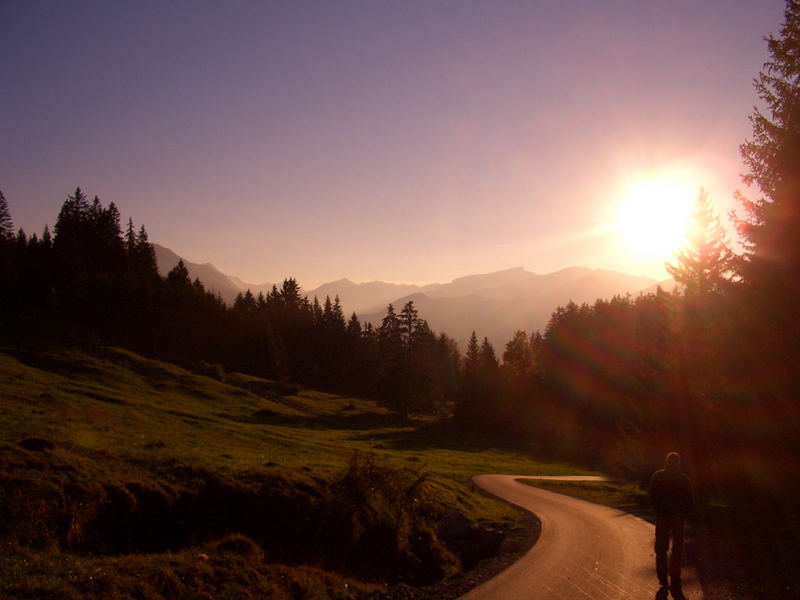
654, 215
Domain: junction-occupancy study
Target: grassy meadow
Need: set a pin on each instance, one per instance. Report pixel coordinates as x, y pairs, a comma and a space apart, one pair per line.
125, 477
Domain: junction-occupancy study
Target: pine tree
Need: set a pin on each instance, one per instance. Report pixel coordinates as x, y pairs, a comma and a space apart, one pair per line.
75, 209
338, 316
770, 228
146, 263
245, 303
327, 312
6, 224
317, 316
489, 360
704, 262
354, 327
178, 277
518, 356
290, 295
391, 378
130, 240
47, 239
472, 359
409, 322
69, 229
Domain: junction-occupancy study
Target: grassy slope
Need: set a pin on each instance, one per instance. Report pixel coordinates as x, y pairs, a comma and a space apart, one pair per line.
128, 431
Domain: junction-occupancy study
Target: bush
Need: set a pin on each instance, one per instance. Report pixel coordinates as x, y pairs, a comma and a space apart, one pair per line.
380, 519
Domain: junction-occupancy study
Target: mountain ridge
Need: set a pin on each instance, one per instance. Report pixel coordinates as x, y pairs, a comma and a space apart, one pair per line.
494, 304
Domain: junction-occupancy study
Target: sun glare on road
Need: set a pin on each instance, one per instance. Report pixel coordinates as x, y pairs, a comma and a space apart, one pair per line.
653, 216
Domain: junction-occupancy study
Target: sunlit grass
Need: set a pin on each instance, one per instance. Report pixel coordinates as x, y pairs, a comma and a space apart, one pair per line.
138, 409
118, 419
625, 496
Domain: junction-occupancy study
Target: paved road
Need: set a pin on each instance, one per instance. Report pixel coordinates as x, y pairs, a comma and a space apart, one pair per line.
585, 551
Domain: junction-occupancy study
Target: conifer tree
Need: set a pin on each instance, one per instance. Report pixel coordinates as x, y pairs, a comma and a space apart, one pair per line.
391, 379
518, 357
488, 357
472, 358
290, 295
245, 303
327, 312
337, 316
146, 263
409, 322
47, 239
317, 315
130, 239
6, 224
178, 277
354, 327
770, 227
704, 260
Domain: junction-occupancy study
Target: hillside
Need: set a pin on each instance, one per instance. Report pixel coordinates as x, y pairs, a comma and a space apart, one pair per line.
123, 476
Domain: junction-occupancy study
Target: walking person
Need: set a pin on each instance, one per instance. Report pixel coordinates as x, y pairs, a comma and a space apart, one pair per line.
672, 499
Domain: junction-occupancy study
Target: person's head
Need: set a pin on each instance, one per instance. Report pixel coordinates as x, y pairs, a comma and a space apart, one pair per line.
673, 460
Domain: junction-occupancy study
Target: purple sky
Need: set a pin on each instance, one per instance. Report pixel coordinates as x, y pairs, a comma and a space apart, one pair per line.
406, 141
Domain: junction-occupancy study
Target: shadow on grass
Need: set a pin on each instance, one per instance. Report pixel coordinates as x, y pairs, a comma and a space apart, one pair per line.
351, 422
442, 435
37, 359
387, 430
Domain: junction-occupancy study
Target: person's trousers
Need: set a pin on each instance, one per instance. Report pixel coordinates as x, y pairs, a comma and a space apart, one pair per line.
669, 526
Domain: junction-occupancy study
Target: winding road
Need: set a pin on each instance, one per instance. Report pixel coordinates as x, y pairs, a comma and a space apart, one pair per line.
585, 551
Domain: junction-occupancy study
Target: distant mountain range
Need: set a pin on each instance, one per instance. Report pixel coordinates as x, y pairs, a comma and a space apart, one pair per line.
212, 278
494, 305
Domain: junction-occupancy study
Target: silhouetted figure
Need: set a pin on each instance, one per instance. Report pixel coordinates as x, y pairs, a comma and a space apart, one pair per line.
671, 496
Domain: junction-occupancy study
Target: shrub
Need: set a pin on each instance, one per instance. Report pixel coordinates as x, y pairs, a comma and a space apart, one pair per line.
380, 518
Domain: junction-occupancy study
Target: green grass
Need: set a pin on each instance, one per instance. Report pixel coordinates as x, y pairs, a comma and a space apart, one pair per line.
625, 496
153, 467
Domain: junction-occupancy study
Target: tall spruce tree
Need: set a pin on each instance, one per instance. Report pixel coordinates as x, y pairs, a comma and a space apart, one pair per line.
178, 277
770, 227
489, 360
390, 357
6, 224
704, 261
472, 359
145, 256
518, 356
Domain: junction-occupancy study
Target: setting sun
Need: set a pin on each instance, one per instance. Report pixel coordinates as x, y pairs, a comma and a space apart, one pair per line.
653, 216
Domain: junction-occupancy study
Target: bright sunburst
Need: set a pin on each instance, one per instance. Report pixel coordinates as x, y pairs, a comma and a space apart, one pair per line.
653, 216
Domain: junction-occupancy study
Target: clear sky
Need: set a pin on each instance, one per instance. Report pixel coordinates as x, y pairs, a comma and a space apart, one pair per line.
407, 141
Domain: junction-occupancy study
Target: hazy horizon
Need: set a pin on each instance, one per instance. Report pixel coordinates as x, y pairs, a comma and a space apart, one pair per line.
402, 143
420, 284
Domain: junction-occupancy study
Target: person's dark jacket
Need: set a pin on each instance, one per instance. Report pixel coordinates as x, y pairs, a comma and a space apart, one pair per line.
670, 492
